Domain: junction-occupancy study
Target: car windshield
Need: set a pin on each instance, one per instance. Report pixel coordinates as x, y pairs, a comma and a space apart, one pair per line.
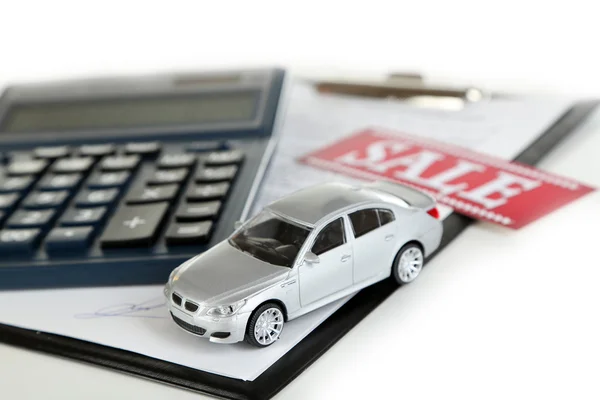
271, 238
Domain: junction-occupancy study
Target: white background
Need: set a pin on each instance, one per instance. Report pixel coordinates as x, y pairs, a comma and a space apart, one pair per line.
498, 314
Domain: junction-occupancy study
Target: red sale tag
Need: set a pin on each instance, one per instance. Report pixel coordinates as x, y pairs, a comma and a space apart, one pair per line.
473, 184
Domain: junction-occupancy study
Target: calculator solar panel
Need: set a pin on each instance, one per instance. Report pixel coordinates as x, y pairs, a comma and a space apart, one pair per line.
118, 181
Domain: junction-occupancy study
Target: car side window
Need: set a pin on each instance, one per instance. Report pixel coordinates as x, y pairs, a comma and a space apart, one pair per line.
385, 216
330, 237
364, 221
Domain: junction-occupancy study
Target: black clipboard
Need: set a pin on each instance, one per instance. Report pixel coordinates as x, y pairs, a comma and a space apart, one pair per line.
300, 357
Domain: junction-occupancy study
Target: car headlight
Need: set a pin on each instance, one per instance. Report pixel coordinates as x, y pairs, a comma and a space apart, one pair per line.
226, 310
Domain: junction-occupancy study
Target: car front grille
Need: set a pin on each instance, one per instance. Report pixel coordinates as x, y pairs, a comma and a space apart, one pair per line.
196, 330
186, 304
176, 299
191, 306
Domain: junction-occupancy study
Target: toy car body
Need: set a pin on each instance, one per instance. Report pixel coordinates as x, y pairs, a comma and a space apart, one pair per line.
300, 253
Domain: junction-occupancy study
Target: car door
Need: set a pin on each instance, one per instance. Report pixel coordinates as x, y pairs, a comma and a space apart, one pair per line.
391, 236
333, 272
372, 243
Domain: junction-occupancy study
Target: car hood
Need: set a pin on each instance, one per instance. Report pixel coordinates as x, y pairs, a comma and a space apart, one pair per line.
224, 274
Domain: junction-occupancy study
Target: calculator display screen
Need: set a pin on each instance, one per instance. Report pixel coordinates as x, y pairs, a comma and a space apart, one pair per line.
131, 113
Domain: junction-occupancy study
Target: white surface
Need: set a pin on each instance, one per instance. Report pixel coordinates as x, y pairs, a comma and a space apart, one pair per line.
495, 316
136, 319
313, 121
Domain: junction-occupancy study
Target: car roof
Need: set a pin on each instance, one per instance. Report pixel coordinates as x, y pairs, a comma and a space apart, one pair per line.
310, 205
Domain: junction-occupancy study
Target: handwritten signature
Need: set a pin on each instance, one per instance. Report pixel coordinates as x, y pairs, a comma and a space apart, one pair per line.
132, 310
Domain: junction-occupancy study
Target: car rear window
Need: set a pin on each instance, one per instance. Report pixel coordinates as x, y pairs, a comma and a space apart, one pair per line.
385, 216
364, 221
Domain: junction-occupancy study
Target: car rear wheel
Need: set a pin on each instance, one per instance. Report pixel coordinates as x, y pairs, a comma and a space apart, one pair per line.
265, 325
408, 263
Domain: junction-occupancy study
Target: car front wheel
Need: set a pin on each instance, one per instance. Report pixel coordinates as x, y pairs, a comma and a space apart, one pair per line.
408, 263
265, 325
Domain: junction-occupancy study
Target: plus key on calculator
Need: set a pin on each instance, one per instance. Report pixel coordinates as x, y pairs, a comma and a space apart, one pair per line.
119, 183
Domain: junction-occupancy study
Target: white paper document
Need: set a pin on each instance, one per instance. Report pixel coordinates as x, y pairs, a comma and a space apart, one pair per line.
135, 319
500, 128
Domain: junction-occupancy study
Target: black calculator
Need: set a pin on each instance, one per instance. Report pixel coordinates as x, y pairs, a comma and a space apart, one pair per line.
117, 181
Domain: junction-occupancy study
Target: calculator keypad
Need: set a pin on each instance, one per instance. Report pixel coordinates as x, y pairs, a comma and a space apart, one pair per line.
83, 216
70, 165
30, 219
15, 241
120, 163
8, 201
97, 150
176, 160
134, 226
207, 192
60, 182
69, 239
51, 152
103, 180
16, 184
108, 197
94, 198
162, 176
181, 234
143, 148
28, 167
153, 194
45, 199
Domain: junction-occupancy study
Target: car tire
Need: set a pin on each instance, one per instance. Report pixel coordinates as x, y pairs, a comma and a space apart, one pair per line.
408, 263
265, 325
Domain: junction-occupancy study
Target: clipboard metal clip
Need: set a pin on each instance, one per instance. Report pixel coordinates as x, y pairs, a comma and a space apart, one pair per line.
409, 88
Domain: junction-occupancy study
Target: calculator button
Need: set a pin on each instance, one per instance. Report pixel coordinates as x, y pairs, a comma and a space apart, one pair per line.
216, 174
134, 226
19, 240
68, 165
16, 184
152, 194
163, 176
8, 201
209, 145
198, 211
97, 150
83, 216
182, 234
108, 179
73, 238
30, 219
207, 192
119, 163
224, 157
45, 199
51, 152
59, 182
176, 160
142, 148
27, 167
93, 198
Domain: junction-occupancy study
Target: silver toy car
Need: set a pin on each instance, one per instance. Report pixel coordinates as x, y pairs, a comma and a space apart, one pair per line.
300, 253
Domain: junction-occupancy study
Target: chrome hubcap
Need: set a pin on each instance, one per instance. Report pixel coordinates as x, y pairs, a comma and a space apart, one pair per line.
268, 326
410, 264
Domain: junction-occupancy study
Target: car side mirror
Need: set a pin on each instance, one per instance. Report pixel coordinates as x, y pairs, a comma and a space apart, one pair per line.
237, 225
311, 257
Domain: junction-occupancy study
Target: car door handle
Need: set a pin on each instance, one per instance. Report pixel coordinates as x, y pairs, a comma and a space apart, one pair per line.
345, 257
389, 237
